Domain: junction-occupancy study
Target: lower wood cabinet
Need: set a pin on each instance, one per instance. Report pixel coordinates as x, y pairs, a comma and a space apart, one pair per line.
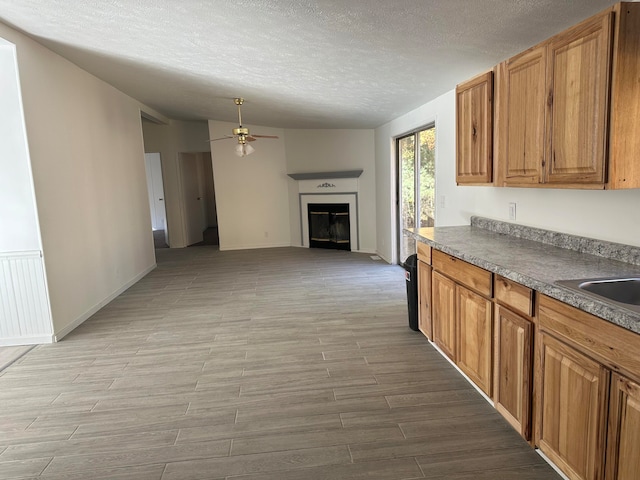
573, 408
424, 299
623, 456
588, 402
474, 316
443, 291
513, 378
567, 381
462, 318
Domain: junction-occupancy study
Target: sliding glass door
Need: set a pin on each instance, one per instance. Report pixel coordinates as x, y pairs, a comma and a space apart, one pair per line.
416, 185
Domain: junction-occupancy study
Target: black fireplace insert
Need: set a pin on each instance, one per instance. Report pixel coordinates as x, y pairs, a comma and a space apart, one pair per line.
329, 226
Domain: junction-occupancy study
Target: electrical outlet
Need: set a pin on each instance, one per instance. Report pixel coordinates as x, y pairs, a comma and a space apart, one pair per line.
266, 234
443, 201
512, 211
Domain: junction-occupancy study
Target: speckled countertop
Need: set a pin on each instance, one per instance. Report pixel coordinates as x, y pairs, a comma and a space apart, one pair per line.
532, 257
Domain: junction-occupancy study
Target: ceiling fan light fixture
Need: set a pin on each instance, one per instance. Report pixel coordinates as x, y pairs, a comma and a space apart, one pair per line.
244, 149
242, 135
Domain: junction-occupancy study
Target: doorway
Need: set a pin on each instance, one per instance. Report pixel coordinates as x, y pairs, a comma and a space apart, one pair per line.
155, 186
416, 185
200, 222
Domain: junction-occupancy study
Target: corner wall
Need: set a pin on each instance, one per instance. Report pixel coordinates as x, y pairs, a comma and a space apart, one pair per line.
335, 150
252, 196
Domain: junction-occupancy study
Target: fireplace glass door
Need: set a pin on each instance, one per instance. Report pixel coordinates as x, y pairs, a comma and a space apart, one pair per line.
329, 226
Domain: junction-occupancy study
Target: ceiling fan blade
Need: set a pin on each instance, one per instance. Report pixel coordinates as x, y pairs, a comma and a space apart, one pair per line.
265, 136
221, 138
250, 138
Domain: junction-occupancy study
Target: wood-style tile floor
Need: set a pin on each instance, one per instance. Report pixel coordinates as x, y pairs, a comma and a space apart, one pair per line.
275, 364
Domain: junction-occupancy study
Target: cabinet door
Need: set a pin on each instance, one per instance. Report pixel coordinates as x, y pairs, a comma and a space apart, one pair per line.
475, 337
474, 123
424, 289
573, 410
623, 460
443, 314
513, 369
521, 106
579, 66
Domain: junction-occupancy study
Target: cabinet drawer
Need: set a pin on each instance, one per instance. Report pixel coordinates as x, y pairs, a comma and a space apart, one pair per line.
424, 252
513, 295
475, 278
608, 343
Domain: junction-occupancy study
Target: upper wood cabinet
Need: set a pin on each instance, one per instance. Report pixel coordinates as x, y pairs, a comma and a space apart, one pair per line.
578, 69
520, 119
566, 111
624, 141
474, 130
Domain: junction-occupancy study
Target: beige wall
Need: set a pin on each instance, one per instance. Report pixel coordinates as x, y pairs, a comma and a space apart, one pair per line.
171, 139
252, 196
85, 142
606, 215
335, 150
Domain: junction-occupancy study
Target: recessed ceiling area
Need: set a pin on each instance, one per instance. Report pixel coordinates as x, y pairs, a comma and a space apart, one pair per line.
298, 63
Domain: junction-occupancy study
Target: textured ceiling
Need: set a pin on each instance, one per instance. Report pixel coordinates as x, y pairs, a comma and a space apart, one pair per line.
299, 63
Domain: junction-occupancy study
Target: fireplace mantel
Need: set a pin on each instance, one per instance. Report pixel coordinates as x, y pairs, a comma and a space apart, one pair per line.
326, 175
328, 187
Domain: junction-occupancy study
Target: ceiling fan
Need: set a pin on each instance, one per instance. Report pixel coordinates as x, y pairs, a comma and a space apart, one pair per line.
242, 134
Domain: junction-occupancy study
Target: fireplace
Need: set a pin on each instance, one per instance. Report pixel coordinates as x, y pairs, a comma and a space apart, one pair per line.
329, 226
329, 189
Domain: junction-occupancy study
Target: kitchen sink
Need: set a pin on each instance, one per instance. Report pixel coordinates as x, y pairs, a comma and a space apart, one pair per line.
622, 291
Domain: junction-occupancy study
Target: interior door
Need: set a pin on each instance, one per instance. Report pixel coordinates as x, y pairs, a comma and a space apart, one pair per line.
192, 203
153, 166
158, 191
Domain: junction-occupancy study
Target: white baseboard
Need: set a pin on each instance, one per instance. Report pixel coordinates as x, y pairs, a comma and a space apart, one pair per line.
368, 252
59, 335
383, 257
254, 247
17, 341
553, 465
444, 355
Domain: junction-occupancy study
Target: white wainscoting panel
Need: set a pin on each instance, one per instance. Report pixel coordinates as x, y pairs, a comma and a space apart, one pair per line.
25, 314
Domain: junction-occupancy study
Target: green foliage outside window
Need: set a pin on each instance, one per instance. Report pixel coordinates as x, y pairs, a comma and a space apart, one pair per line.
426, 178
